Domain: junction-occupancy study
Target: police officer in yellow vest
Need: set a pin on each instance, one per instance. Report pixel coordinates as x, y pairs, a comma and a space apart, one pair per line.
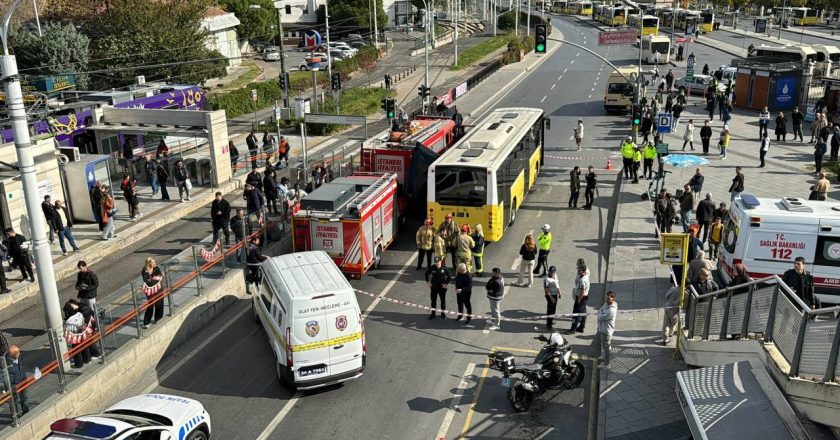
637, 163
628, 148
544, 245
649, 157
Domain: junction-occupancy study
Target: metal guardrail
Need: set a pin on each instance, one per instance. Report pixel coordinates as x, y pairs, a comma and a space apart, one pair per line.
808, 339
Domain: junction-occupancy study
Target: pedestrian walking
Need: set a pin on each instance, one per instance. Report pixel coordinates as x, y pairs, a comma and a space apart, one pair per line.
669, 104
698, 263
801, 282
129, 189
439, 246
578, 133
283, 148
781, 128
220, 218
669, 79
107, 211
463, 292
705, 214
580, 295
763, 149
254, 202
819, 190
637, 163
255, 179
763, 122
19, 252
478, 250
628, 148
706, 136
676, 111
647, 126
162, 150
17, 374
726, 112
527, 253
63, 226
722, 211
151, 173
270, 191
182, 179
797, 118
688, 136
704, 283
87, 284
737, 186
163, 177
544, 244
819, 152
96, 201
438, 278
49, 213
672, 311
465, 245
450, 236
551, 287
711, 103
574, 187
606, 326
253, 149
268, 147
425, 239
686, 206
591, 185
723, 143
705, 69
152, 277
669, 212
495, 293
237, 225
649, 156
715, 237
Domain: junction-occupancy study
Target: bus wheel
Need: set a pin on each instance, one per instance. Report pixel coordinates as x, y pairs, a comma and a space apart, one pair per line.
377, 257
512, 212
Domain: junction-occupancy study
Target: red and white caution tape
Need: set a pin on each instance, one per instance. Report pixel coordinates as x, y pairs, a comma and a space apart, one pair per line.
208, 255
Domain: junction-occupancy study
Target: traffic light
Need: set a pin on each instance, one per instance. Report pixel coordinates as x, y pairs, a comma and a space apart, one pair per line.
390, 108
335, 81
423, 92
540, 38
637, 117
284, 81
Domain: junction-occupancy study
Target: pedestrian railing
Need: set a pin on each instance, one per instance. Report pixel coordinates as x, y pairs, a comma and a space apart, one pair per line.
186, 275
768, 310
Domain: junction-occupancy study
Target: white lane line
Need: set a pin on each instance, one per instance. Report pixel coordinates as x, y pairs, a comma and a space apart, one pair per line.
547, 431
572, 62
565, 70
553, 86
559, 77
456, 400
590, 97
543, 99
638, 367
592, 90
577, 54
161, 379
291, 403
609, 388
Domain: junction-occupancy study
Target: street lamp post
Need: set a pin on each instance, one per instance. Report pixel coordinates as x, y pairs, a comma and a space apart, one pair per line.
26, 163
426, 33
457, 10
528, 21
285, 90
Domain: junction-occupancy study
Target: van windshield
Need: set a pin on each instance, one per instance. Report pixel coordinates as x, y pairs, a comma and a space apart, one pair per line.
620, 88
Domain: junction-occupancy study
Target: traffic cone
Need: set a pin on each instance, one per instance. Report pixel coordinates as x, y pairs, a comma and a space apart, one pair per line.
609, 164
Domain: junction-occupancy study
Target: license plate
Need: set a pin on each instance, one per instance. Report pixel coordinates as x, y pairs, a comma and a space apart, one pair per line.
506, 382
304, 373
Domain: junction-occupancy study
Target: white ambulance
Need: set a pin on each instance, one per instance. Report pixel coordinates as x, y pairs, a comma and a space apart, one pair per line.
766, 235
312, 319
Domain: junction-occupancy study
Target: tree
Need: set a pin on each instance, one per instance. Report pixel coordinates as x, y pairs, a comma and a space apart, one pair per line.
60, 50
355, 14
254, 24
161, 39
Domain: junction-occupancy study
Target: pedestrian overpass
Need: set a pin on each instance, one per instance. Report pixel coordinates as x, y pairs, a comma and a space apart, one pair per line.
765, 323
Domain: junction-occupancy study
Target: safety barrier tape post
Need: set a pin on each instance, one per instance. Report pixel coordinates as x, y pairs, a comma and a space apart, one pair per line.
99, 332
136, 310
56, 352
169, 296
197, 271
224, 258
7, 382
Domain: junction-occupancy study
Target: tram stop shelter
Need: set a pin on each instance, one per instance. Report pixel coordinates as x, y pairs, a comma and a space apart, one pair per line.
766, 82
207, 158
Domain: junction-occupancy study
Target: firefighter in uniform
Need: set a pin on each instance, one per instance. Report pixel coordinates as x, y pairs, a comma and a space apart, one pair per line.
465, 246
628, 148
450, 235
425, 239
544, 245
478, 249
439, 246
637, 163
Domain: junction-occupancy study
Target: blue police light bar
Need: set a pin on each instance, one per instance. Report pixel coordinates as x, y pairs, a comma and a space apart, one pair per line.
749, 201
83, 430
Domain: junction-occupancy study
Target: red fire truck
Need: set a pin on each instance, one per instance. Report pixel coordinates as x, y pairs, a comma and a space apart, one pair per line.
409, 153
351, 219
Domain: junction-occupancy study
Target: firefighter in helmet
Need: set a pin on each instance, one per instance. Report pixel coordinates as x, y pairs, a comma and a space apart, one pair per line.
478, 249
425, 239
450, 235
465, 246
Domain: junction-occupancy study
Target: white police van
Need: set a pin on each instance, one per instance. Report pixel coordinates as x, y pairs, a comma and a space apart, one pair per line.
150, 416
766, 235
312, 319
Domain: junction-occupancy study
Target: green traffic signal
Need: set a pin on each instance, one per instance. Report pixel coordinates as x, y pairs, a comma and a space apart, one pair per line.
636, 121
540, 48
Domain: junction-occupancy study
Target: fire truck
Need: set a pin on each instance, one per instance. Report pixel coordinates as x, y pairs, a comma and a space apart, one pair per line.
351, 219
408, 153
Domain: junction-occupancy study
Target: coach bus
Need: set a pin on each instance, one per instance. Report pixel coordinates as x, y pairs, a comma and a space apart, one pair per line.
560, 6
684, 16
650, 24
598, 11
706, 23
666, 16
580, 8
485, 176
803, 16
614, 15
793, 53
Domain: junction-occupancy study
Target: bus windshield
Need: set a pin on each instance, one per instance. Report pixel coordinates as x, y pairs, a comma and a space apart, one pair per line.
460, 186
707, 17
660, 46
650, 22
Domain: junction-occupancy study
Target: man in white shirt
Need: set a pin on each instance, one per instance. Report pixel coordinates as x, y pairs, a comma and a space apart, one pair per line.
552, 295
606, 327
579, 296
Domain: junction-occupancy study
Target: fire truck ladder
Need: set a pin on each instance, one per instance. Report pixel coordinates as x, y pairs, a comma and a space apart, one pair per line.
356, 204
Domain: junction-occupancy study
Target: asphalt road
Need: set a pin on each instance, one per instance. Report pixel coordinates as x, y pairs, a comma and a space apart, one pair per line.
428, 379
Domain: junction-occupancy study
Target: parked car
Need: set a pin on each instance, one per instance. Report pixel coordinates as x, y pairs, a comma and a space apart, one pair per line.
357, 44
272, 55
698, 84
260, 46
323, 57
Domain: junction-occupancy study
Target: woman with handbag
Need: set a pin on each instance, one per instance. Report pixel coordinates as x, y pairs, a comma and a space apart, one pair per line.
107, 211
78, 327
152, 284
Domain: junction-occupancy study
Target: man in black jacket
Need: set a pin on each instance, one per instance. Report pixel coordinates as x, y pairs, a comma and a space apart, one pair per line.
796, 119
220, 216
706, 136
86, 284
237, 224
19, 254
163, 177
705, 214
17, 374
801, 282
96, 200
63, 224
47, 208
255, 259
591, 183
254, 179
696, 183
253, 148
437, 278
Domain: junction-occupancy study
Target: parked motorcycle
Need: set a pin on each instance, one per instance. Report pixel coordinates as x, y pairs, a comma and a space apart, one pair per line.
553, 368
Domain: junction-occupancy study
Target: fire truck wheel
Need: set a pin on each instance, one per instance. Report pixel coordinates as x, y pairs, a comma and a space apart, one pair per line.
377, 257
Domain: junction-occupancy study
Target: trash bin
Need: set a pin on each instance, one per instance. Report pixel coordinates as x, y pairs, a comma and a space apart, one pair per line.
205, 172
192, 167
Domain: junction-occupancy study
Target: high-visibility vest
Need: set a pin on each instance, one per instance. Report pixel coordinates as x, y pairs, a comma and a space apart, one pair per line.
544, 241
637, 156
650, 152
627, 149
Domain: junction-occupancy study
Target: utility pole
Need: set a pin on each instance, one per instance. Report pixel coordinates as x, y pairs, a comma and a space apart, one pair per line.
26, 163
285, 91
327, 22
528, 21
516, 27
375, 24
426, 33
457, 11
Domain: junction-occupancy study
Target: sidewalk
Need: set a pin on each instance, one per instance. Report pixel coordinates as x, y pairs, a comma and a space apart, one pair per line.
637, 390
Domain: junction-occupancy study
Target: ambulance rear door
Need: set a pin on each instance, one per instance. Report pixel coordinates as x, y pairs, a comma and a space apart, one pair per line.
826, 263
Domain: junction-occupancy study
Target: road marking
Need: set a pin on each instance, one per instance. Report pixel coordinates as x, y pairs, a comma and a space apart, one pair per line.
609, 388
566, 69
559, 77
547, 431
390, 284
456, 400
592, 89
589, 97
471, 411
577, 54
280, 416
553, 86
638, 367
572, 62
543, 99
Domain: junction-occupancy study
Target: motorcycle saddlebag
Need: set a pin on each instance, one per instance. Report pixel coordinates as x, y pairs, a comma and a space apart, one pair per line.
501, 361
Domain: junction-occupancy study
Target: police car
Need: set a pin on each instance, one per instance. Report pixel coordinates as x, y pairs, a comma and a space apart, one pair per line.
146, 417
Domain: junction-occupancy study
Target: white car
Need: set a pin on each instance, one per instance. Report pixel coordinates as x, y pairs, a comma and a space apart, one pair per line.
698, 84
271, 55
149, 416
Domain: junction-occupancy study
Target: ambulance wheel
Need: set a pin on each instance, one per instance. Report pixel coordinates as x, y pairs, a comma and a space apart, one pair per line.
377, 257
198, 435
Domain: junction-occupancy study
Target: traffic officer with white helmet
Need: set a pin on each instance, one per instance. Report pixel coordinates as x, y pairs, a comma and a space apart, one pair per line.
544, 245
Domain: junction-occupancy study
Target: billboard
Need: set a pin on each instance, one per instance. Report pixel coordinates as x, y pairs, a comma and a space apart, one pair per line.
612, 38
785, 92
